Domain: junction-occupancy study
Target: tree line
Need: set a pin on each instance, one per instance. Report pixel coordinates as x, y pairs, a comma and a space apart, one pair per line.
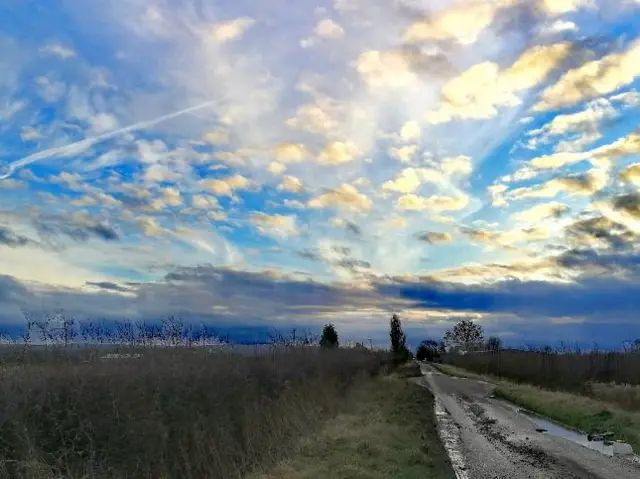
398, 340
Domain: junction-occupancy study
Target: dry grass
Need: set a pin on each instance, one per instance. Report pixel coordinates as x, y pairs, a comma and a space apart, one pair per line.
611, 377
387, 430
174, 413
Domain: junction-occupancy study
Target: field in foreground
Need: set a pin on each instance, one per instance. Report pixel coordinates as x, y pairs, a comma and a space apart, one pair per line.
584, 413
171, 413
194, 413
387, 429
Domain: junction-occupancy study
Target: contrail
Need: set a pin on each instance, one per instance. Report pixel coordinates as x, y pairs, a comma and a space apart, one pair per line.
88, 142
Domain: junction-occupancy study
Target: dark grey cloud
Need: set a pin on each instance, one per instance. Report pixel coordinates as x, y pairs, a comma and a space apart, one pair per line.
108, 286
629, 203
434, 237
310, 255
353, 228
614, 235
9, 238
76, 232
227, 297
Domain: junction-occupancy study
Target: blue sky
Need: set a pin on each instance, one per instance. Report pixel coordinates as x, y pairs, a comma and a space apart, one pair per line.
256, 164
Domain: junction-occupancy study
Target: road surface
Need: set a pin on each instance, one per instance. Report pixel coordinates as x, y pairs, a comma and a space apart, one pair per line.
489, 439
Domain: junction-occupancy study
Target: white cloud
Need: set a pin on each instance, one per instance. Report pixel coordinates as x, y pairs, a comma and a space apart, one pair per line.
385, 70
459, 165
50, 90
413, 202
327, 28
278, 226
541, 212
410, 131
404, 153
30, 134
217, 137
59, 50
560, 7
233, 29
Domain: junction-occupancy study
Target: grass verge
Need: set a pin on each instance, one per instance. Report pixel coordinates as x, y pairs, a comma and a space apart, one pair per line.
578, 412
459, 372
590, 415
387, 429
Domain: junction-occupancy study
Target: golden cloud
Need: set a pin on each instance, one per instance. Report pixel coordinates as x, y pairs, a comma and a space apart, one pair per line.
477, 92
385, 70
463, 22
582, 184
171, 196
232, 30
276, 168
410, 131
413, 202
407, 181
346, 196
205, 202
290, 152
541, 212
226, 186
593, 79
291, 184
631, 174
339, 152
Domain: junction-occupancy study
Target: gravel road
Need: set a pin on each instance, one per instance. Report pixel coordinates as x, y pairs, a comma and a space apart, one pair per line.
488, 438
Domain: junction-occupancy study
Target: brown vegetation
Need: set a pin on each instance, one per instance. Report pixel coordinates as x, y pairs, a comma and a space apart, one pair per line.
173, 412
613, 377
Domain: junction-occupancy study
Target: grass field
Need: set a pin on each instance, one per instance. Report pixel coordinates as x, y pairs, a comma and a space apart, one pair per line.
386, 430
172, 413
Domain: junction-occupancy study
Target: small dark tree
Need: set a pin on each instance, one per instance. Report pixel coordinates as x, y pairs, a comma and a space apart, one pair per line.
329, 338
465, 336
494, 343
398, 340
429, 350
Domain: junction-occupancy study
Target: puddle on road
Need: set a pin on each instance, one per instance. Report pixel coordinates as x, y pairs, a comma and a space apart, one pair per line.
555, 430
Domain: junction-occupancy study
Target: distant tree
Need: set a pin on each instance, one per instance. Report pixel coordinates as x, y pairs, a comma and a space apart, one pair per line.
494, 343
398, 340
636, 344
429, 350
329, 337
465, 336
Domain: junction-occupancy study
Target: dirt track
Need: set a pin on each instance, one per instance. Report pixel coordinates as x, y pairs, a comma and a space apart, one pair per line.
488, 438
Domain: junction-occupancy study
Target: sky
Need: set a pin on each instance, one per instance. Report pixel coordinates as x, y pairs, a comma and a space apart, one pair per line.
271, 165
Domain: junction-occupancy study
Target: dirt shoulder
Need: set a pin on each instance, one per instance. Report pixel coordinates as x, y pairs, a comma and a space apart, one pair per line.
387, 430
